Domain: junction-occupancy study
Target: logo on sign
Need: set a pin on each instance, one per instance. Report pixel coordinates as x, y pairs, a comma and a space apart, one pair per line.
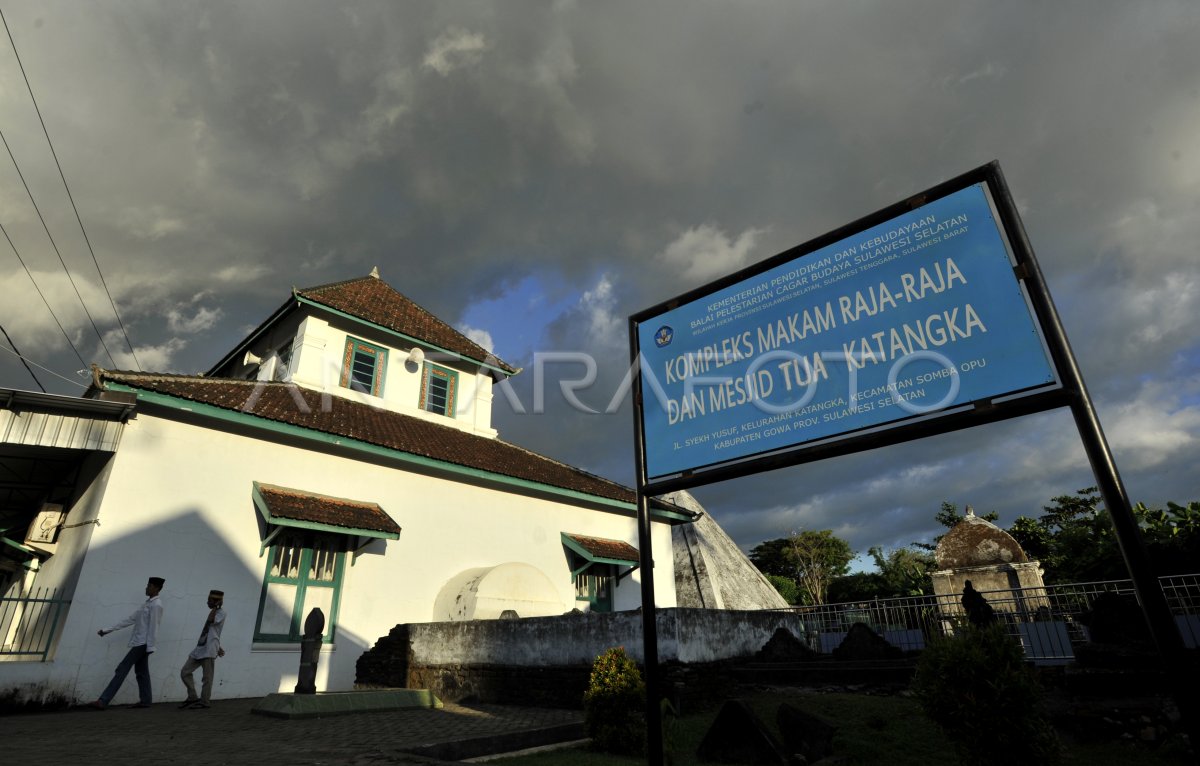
663, 336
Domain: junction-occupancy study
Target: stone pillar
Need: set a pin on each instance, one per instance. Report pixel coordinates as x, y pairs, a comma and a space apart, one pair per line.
310, 652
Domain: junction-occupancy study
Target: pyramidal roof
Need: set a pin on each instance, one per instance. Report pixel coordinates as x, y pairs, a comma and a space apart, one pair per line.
371, 299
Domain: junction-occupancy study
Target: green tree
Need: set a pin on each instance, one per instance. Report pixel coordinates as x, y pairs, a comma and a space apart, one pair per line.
1073, 539
786, 587
948, 516
1172, 536
901, 572
904, 571
819, 558
771, 558
812, 559
1075, 542
860, 586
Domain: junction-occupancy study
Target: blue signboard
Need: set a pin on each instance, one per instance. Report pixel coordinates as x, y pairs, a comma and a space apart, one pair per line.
916, 315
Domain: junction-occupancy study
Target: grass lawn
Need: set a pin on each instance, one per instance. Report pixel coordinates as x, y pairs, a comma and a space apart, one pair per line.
871, 729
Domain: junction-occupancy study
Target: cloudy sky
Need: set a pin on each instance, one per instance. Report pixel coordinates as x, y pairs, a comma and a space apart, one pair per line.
535, 172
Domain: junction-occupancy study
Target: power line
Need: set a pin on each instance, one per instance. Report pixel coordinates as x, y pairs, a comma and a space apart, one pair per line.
70, 197
39, 292
55, 246
42, 367
18, 353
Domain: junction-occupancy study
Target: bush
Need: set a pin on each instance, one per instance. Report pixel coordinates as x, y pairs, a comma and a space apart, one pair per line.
786, 587
978, 688
614, 705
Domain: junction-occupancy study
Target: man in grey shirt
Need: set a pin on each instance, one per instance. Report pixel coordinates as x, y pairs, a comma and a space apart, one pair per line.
205, 654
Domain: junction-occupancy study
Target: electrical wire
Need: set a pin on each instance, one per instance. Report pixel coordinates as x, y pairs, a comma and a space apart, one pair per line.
39, 292
43, 368
18, 353
55, 246
70, 197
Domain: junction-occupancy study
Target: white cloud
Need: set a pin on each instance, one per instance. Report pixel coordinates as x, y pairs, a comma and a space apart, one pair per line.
157, 358
202, 319
151, 223
34, 323
482, 337
704, 252
454, 49
602, 325
241, 272
1153, 427
456, 146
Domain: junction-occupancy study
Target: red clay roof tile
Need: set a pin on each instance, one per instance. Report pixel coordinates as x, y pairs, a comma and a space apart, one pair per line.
305, 506
376, 301
293, 405
603, 548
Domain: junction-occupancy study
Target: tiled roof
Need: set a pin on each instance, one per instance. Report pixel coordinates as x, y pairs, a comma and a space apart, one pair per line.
376, 301
290, 404
603, 548
293, 504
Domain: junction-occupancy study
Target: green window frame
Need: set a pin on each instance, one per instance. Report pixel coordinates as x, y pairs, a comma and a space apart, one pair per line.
363, 366
304, 570
597, 566
595, 587
439, 389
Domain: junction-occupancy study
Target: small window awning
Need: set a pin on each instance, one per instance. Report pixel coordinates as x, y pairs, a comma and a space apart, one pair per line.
600, 550
283, 507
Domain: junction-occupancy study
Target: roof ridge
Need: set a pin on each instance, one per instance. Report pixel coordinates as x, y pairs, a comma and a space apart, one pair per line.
197, 377
339, 283
476, 352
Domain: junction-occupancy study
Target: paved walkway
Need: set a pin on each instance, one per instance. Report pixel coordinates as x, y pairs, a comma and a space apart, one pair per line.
228, 734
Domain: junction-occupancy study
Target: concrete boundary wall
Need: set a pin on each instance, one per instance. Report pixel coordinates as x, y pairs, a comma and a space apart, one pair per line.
684, 635
546, 661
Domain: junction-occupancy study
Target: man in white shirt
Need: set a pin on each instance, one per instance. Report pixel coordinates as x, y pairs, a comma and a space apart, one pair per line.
142, 644
204, 656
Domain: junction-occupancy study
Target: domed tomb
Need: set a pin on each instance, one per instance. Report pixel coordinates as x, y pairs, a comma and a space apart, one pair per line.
979, 551
975, 542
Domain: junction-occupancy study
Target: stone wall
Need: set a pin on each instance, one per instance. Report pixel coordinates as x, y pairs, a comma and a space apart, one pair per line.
1007, 587
547, 660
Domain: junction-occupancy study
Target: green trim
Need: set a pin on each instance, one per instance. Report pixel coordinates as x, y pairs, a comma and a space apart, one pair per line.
261, 504
593, 559
378, 366
598, 604
397, 334
431, 370
22, 548
302, 584
308, 434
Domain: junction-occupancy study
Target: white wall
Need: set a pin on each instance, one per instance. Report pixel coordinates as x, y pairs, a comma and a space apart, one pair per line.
178, 505
317, 364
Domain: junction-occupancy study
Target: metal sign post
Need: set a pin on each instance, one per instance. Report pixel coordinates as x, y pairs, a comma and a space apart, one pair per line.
844, 344
654, 737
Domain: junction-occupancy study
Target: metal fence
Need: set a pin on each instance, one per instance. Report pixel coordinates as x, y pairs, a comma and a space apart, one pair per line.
28, 625
1050, 621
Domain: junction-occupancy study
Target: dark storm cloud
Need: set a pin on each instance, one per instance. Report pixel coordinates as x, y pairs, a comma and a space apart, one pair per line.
223, 152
